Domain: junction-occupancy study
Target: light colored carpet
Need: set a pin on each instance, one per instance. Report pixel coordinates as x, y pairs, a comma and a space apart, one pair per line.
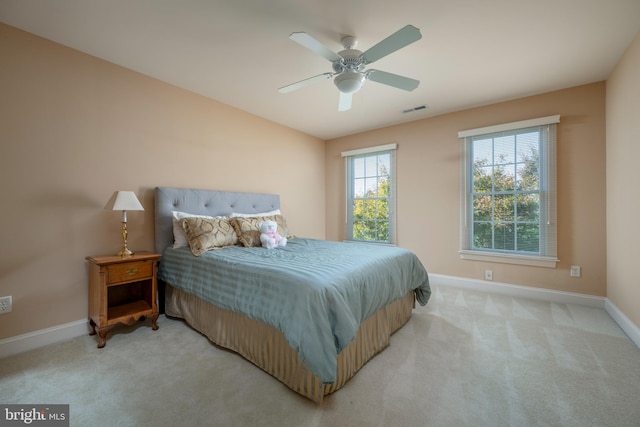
467, 359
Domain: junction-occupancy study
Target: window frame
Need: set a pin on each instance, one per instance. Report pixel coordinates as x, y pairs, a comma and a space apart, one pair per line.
547, 256
349, 157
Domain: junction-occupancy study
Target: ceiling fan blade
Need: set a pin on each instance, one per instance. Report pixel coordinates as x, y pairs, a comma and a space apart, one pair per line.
344, 103
305, 82
400, 82
314, 45
401, 38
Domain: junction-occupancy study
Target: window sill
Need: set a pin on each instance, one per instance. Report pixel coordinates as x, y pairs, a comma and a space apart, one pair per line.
534, 261
369, 243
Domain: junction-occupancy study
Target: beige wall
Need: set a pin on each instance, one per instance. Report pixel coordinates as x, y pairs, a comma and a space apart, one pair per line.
428, 170
623, 194
73, 129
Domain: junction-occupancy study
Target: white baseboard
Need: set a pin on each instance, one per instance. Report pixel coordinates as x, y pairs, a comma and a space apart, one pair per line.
517, 290
629, 328
44, 337
41, 338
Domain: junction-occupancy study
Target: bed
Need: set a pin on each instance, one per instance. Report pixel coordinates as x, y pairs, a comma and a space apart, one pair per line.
310, 314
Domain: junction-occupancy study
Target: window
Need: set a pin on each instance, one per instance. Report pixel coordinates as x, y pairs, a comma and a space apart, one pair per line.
371, 194
509, 193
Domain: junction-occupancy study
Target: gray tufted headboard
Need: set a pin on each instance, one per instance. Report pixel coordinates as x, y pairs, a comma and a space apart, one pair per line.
203, 202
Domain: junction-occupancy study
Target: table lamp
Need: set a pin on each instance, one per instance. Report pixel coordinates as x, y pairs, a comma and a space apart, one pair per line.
124, 201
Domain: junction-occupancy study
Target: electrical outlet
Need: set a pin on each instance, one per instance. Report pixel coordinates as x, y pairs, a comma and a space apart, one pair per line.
488, 275
575, 271
5, 305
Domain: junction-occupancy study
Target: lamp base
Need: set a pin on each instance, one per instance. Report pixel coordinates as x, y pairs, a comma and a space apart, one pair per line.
124, 253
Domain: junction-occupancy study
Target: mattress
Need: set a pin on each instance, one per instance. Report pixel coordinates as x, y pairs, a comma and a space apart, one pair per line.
317, 293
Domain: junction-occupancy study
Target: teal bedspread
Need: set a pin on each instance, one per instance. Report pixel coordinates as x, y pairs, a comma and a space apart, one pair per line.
316, 292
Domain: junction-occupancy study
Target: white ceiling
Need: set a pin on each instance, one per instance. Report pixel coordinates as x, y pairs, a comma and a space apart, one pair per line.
472, 52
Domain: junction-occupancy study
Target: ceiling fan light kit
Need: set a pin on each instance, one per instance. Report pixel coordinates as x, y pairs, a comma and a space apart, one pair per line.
349, 82
349, 65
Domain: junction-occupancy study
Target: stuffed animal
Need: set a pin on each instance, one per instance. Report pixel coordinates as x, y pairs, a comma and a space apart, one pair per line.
269, 236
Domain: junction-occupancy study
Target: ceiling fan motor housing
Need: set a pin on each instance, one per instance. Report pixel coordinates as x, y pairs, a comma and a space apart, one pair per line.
351, 61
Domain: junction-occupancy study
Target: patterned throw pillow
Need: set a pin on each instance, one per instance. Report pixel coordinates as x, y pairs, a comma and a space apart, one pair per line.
248, 229
205, 234
179, 238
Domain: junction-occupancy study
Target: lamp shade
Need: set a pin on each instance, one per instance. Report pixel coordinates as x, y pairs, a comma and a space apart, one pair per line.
124, 201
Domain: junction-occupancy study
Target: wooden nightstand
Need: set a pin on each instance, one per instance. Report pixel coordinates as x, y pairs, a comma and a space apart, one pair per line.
122, 290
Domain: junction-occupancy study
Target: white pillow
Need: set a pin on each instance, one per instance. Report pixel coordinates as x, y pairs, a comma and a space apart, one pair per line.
179, 236
242, 215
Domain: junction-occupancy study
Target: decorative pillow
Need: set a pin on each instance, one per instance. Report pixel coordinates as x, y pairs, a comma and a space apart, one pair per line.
243, 215
205, 234
179, 238
248, 228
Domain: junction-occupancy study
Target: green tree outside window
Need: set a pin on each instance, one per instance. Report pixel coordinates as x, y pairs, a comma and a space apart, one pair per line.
506, 193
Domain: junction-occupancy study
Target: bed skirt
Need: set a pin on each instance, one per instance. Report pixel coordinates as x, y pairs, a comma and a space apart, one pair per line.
267, 348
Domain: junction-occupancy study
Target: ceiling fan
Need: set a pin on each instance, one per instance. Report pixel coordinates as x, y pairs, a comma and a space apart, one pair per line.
349, 64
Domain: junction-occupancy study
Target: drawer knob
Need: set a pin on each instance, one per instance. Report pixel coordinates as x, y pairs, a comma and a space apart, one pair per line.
132, 271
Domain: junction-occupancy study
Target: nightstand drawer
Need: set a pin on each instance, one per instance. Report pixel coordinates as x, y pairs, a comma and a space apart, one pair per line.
129, 271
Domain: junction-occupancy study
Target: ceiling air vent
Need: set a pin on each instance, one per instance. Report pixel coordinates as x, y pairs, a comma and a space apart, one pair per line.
418, 108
